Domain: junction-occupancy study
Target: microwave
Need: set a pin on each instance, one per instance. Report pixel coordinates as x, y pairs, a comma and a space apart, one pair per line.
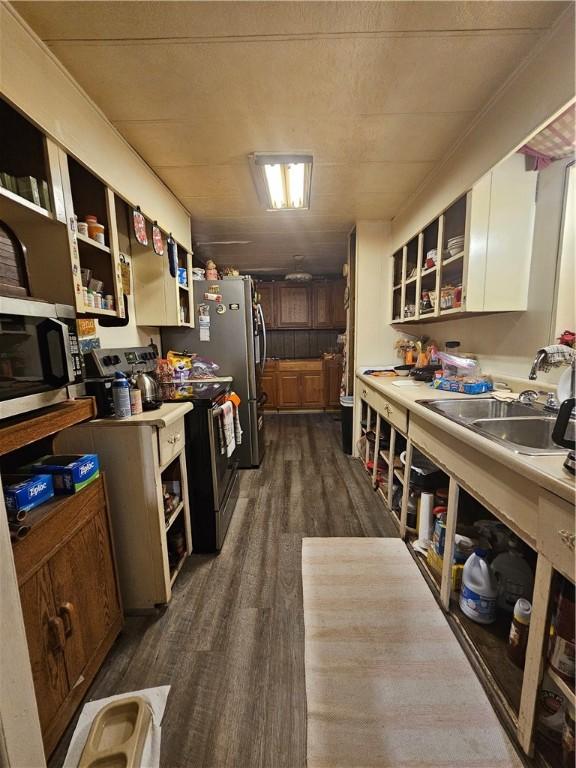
39, 354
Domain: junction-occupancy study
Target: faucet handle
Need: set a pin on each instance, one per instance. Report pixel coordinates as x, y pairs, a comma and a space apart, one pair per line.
528, 396
552, 402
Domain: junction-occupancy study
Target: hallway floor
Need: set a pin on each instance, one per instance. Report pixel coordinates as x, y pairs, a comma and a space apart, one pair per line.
231, 643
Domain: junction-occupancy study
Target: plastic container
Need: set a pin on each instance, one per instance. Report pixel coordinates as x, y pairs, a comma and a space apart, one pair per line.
121, 396
518, 638
479, 591
514, 577
347, 411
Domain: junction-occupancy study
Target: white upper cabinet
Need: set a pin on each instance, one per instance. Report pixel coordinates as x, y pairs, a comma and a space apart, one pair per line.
502, 211
475, 257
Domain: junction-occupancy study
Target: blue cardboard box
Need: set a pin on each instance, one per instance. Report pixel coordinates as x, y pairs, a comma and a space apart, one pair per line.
70, 473
24, 492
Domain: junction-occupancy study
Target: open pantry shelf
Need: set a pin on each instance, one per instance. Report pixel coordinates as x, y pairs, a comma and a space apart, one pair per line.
176, 569
94, 243
174, 515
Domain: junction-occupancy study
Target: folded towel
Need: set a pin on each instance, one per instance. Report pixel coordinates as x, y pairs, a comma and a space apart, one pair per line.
555, 356
228, 444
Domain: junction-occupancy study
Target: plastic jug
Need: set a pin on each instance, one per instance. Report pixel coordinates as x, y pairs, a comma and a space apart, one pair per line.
514, 577
478, 592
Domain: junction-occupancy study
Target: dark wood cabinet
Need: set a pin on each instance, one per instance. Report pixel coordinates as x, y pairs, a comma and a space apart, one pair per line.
303, 306
292, 305
312, 390
332, 382
266, 298
70, 602
288, 384
338, 306
268, 385
322, 305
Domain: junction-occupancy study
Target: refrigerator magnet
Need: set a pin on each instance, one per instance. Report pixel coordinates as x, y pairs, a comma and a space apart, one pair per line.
220, 309
234, 306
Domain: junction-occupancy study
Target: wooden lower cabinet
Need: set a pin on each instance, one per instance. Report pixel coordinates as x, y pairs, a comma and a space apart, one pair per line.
70, 602
301, 384
312, 390
289, 389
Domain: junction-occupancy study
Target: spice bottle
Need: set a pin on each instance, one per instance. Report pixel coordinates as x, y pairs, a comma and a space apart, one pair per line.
562, 656
518, 638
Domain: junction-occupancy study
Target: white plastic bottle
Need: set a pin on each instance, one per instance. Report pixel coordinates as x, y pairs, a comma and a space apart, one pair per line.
478, 592
514, 577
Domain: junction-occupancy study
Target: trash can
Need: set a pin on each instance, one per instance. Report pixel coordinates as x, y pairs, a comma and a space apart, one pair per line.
347, 412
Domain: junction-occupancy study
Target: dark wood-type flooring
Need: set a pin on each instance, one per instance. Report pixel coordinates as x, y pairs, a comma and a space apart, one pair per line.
231, 642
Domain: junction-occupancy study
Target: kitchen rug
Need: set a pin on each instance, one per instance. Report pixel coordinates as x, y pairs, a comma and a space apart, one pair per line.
387, 683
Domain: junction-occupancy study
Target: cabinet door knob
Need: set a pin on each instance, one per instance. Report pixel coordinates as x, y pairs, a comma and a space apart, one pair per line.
175, 438
57, 633
67, 613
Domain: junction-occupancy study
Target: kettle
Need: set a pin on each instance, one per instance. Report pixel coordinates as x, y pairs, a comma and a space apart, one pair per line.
150, 390
564, 433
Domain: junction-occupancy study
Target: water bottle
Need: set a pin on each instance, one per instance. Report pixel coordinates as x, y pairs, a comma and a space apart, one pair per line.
121, 395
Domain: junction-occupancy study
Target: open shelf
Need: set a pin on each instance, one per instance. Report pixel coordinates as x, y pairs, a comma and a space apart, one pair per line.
93, 243
489, 643
88, 197
567, 690
452, 259
177, 568
174, 515
27, 207
399, 475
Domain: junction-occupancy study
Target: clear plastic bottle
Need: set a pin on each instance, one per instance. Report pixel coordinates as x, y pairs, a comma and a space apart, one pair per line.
478, 592
514, 577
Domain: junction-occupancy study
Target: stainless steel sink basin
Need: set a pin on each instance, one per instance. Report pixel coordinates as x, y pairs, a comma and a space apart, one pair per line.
479, 408
521, 428
535, 433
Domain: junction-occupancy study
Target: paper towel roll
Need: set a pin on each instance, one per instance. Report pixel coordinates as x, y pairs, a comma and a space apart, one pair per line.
425, 516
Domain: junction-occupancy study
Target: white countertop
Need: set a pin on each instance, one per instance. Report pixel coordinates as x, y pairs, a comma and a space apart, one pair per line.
546, 471
167, 414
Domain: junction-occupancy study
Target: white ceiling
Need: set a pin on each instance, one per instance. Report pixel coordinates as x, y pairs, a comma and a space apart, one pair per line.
378, 92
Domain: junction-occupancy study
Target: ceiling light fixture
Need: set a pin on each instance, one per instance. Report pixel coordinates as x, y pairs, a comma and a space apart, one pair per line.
282, 181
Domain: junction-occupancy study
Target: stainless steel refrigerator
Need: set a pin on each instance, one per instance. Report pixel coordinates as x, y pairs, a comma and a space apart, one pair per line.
235, 338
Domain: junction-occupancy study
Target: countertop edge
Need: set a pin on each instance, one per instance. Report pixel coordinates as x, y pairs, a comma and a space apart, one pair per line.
517, 462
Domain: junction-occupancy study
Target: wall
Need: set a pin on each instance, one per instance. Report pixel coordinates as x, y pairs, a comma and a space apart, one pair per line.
374, 337
35, 82
540, 89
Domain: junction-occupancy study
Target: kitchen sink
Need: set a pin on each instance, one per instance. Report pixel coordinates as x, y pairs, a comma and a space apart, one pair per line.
479, 408
520, 427
535, 433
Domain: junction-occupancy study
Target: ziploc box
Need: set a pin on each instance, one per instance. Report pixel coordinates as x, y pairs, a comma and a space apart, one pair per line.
24, 492
70, 473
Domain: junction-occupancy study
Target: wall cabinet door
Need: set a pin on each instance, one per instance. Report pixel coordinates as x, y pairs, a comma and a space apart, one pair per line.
312, 390
268, 385
338, 309
266, 291
293, 305
288, 390
322, 305
46, 642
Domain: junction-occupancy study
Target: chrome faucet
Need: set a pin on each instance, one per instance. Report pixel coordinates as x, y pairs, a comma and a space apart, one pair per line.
538, 360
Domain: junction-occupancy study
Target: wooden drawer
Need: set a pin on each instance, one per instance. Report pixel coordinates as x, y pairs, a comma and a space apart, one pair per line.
171, 441
300, 365
392, 412
555, 537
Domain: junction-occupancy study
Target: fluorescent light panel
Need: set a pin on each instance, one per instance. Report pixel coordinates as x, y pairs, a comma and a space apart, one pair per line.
282, 181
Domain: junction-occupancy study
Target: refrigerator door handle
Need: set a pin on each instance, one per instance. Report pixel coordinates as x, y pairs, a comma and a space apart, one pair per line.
263, 363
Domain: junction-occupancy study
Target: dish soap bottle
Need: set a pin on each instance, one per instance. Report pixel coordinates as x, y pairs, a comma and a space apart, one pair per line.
478, 592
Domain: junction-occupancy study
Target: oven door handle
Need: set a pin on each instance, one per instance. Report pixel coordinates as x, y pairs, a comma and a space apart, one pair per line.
49, 368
